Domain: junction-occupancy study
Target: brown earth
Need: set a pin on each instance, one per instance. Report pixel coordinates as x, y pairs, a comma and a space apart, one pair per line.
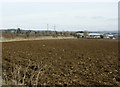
77, 62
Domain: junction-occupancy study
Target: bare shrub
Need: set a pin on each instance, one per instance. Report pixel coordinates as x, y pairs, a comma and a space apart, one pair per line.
19, 76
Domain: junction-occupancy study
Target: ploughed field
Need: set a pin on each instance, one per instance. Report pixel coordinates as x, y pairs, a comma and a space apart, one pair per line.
83, 62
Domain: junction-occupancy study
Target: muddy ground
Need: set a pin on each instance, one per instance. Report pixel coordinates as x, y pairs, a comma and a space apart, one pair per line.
77, 62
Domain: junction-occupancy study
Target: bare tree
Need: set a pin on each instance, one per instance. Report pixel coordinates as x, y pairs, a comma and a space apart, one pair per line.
18, 31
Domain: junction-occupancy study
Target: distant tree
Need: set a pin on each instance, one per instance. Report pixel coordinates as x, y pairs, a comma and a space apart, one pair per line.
28, 33
101, 36
72, 34
60, 33
7, 31
36, 33
18, 31
56, 32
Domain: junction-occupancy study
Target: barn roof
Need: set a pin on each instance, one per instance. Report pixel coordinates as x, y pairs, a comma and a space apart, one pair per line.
94, 34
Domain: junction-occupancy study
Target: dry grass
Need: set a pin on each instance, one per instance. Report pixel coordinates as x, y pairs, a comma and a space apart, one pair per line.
37, 38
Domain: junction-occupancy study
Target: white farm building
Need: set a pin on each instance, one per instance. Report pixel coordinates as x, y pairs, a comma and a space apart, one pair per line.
94, 35
89, 35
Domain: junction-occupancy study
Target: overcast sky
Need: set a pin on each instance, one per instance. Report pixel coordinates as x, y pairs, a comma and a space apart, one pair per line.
70, 16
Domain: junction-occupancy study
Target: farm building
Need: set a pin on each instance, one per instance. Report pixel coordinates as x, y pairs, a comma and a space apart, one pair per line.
109, 36
89, 35
80, 35
94, 35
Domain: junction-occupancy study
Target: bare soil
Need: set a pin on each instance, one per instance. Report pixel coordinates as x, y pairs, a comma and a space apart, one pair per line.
76, 62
